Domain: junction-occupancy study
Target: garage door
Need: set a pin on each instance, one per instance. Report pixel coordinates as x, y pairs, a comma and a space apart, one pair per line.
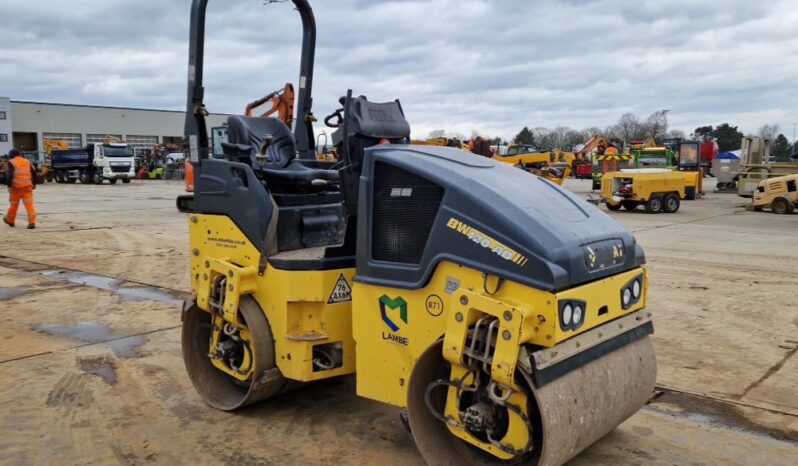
100, 138
73, 139
142, 141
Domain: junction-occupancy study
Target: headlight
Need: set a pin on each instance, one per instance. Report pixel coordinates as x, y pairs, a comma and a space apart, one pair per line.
572, 313
567, 312
636, 289
632, 292
577, 314
627, 296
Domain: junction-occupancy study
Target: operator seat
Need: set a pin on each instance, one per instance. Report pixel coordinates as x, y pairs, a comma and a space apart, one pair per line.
367, 124
282, 171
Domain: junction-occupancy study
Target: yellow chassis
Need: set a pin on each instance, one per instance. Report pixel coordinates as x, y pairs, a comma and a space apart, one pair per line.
393, 327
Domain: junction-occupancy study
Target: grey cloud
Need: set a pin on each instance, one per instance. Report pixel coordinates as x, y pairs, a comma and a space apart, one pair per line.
493, 66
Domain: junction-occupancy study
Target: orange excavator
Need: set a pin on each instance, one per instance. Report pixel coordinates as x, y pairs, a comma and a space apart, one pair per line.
582, 158
282, 103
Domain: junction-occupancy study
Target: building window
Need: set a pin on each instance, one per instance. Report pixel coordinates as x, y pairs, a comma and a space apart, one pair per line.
100, 138
74, 140
143, 142
2, 115
3, 137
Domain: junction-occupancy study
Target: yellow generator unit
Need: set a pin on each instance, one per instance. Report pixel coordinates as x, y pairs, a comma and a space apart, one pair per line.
657, 189
693, 183
506, 331
780, 194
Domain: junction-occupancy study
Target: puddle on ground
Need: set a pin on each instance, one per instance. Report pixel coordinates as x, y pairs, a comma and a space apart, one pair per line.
90, 332
101, 367
141, 293
114, 285
126, 347
12, 292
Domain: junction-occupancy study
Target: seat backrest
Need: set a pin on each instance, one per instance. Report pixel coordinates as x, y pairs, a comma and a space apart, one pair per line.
251, 131
369, 123
378, 120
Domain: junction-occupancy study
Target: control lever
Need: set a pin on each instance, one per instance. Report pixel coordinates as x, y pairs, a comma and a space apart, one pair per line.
261, 157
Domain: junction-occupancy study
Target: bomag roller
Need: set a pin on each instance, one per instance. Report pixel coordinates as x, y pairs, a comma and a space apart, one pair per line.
503, 316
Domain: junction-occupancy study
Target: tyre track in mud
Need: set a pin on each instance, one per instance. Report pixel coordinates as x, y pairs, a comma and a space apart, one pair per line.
702, 408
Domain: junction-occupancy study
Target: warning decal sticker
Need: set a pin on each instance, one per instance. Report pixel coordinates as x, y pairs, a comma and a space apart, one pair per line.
341, 293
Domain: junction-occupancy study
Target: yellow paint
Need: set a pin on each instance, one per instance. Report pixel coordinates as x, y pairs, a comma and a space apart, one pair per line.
775, 188
517, 435
295, 302
296, 306
694, 179
540, 163
645, 184
384, 362
244, 372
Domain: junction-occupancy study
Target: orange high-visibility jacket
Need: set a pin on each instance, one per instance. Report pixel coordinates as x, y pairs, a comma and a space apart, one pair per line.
20, 174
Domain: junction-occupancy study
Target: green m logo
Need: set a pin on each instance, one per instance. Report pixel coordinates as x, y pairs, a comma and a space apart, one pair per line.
399, 302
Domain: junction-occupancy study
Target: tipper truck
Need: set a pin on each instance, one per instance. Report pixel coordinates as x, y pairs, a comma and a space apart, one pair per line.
95, 163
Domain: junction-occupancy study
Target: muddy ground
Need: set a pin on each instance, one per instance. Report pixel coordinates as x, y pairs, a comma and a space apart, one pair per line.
91, 369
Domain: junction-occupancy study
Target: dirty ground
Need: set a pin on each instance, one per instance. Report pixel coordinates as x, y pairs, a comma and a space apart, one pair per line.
92, 373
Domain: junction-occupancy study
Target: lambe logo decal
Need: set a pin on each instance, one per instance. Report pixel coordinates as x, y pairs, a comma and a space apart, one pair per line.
341, 293
400, 303
393, 304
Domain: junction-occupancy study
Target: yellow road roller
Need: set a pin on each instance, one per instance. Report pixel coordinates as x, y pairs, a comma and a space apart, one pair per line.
503, 316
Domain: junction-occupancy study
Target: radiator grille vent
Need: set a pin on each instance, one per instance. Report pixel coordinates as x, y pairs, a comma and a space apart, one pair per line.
405, 206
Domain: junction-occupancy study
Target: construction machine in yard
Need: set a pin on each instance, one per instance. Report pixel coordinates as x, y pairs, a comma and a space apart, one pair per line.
779, 193
756, 166
682, 157
507, 331
441, 141
282, 103
553, 165
583, 158
43, 169
689, 164
610, 162
657, 189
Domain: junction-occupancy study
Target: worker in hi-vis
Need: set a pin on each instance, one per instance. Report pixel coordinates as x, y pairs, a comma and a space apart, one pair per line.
21, 181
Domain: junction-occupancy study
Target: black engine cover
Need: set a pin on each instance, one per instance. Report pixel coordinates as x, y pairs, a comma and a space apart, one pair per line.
428, 204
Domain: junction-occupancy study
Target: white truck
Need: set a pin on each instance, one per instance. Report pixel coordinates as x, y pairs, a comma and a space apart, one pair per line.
95, 163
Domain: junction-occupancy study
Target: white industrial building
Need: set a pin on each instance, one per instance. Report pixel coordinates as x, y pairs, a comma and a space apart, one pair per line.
5, 126
25, 125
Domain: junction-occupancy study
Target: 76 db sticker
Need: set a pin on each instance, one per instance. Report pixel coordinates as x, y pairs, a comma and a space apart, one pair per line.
341, 292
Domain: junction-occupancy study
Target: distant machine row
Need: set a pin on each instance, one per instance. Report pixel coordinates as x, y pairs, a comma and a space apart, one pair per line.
112, 160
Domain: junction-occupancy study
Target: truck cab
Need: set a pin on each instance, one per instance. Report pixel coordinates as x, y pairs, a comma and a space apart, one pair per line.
95, 163
114, 161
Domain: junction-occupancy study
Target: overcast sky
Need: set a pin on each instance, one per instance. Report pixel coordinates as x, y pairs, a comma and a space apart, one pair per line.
493, 66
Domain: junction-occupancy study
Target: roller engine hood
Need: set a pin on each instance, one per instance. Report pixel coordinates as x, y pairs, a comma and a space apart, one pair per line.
495, 218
